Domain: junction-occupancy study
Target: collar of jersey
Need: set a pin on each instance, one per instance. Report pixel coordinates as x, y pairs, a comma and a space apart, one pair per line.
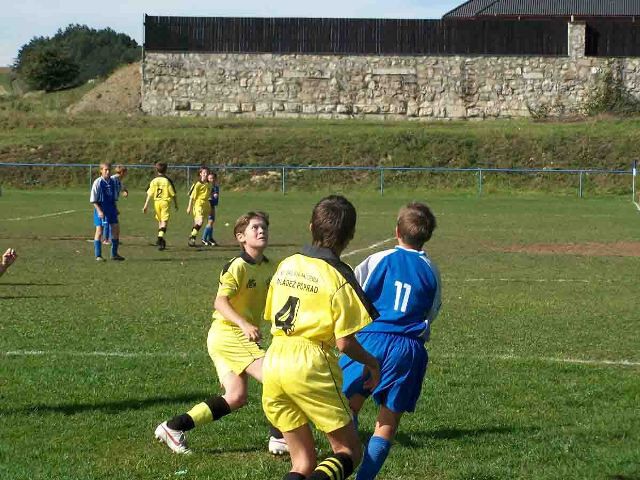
249, 259
419, 252
319, 252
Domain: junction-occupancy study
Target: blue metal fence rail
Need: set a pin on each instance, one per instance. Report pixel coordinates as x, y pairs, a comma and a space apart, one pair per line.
480, 172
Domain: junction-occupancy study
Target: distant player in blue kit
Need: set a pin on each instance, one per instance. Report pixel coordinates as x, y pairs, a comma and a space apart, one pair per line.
214, 198
104, 194
121, 172
404, 286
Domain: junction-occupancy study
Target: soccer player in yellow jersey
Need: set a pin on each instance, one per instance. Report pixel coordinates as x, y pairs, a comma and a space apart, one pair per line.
199, 202
162, 191
234, 337
315, 304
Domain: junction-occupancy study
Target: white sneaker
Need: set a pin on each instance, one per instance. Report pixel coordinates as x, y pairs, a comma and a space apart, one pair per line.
174, 439
278, 446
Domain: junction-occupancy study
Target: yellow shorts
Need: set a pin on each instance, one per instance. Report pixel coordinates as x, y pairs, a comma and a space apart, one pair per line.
162, 210
200, 210
302, 382
230, 350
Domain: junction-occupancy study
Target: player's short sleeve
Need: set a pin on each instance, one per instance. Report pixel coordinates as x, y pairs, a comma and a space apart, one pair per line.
96, 194
231, 278
150, 189
192, 192
349, 312
267, 306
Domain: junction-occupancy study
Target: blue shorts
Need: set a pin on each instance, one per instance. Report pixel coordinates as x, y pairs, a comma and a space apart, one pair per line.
403, 366
110, 216
212, 213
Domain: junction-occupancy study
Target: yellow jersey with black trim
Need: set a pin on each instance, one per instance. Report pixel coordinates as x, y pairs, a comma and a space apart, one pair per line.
161, 189
245, 282
200, 192
316, 296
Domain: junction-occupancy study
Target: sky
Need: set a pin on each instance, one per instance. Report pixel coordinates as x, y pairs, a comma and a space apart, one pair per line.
21, 20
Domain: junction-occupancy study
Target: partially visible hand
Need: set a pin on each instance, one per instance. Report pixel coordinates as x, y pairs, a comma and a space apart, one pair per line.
251, 332
9, 257
371, 374
125, 193
144, 209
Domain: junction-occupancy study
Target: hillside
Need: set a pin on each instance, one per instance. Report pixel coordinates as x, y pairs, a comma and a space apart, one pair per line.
119, 93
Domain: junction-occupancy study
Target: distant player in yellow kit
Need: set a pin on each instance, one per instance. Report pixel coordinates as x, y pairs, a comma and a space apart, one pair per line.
315, 304
162, 191
199, 203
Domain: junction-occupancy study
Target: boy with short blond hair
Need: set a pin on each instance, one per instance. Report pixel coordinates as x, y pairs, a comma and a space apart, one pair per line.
162, 191
103, 196
404, 285
315, 304
233, 340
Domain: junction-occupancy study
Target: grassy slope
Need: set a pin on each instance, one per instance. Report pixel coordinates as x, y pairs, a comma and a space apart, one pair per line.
34, 130
492, 407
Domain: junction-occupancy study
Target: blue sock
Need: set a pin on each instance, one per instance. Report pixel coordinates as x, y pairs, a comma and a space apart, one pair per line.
207, 233
97, 247
114, 246
374, 457
106, 231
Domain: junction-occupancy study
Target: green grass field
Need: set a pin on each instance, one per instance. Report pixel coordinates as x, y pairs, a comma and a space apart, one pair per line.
535, 358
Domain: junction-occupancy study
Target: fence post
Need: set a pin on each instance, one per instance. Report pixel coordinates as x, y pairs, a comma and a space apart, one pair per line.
90, 182
284, 173
634, 172
479, 181
580, 187
381, 181
188, 177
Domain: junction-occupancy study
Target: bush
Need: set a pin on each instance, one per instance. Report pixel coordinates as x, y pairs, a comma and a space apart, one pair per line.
93, 53
48, 68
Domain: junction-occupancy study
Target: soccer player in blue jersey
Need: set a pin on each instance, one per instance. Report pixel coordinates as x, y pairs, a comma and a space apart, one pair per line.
404, 285
121, 172
103, 196
214, 198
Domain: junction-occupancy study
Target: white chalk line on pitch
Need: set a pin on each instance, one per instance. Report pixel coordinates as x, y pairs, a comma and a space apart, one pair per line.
34, 217
576, 361
637, 205
370, 247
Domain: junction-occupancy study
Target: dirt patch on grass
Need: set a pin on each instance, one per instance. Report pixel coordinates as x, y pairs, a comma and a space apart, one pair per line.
120, 93
591, 249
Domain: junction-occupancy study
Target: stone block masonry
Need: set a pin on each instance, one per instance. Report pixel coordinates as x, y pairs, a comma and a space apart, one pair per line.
379, 87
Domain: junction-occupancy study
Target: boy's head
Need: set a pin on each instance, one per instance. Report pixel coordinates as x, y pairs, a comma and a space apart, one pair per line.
212, 177
416, 224
121, 170
333, 223
252, 230
203, 173
105, 169
161, 168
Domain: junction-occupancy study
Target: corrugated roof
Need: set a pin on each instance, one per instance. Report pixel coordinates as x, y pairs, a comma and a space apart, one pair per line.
547, 8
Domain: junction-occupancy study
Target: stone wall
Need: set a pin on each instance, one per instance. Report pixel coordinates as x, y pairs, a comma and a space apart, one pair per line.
396, 87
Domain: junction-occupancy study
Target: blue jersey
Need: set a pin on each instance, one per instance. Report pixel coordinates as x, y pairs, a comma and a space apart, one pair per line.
104, 193
214, 197
404, 286
118, 185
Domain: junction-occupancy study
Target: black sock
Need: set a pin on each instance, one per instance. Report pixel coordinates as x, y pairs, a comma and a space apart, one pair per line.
337, 467
218, 406
274, 432
294, 476
182, 422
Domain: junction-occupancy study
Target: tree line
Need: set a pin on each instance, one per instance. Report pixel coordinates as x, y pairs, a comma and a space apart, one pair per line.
73, 56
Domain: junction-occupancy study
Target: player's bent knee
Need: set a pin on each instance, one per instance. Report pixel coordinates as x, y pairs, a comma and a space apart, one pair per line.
236, 401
